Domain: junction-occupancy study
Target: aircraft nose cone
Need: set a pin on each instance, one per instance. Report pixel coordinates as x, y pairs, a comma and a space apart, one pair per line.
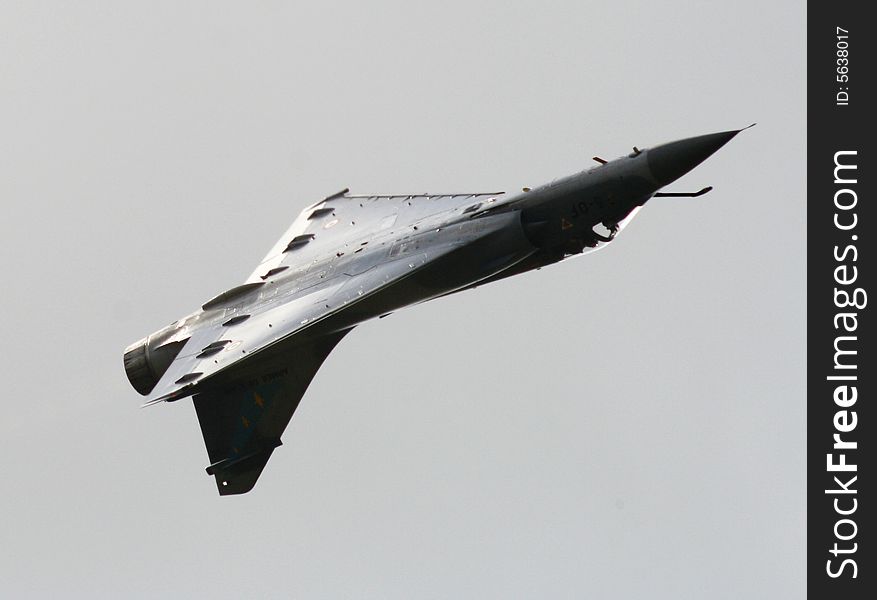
669, 162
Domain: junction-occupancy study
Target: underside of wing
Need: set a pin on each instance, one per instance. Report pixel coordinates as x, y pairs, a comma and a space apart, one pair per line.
345, 220
282, 310
243, 421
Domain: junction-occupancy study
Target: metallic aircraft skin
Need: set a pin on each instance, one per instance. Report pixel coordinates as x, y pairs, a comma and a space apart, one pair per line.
248, 355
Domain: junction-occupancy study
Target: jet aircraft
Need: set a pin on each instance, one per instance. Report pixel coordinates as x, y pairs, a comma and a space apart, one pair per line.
247, 355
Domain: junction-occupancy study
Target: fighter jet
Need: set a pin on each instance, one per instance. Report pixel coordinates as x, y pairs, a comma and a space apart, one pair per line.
247, 355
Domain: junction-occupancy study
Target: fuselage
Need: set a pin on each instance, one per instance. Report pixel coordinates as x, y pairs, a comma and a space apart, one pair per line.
451, 242
536, 227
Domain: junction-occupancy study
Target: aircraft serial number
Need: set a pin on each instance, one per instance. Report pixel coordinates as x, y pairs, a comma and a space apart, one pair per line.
584, 207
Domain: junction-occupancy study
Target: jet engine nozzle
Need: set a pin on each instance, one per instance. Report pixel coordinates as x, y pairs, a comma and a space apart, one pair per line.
147, 360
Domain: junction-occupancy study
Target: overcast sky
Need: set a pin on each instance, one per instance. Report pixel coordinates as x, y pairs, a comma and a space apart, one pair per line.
626, 424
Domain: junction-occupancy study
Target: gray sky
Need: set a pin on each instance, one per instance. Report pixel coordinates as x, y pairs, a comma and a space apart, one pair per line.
626, 424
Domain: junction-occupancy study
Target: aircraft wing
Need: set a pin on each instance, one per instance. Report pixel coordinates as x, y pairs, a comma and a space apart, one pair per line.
238, 325
215, 348
242, 424
342, 222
